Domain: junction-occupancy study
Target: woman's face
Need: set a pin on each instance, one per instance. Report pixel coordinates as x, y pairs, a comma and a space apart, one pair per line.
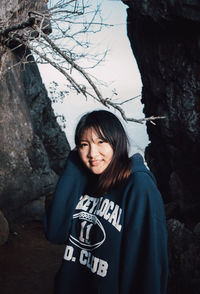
95, 153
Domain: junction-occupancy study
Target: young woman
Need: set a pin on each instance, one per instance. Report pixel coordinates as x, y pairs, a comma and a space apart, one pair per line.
109, 213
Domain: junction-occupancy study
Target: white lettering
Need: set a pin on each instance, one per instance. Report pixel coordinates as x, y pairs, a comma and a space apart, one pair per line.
114, 218
85, 232
103, 207
110, 206
83, 256
98, 206
117, 225
84, 203
68, 253
96, 265
95, 201
103, 268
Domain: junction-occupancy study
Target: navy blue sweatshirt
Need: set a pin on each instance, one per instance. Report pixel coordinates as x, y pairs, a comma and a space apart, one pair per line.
116, 243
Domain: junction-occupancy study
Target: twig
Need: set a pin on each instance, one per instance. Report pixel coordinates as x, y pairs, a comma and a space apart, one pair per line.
69, 78
128, 100
73, 64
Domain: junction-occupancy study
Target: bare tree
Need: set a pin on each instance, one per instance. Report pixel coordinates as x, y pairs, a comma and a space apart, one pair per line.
58, 33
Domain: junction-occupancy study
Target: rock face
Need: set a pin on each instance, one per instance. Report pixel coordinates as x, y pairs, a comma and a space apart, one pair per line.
33, 148
16, 11
165, 39
4, 229
184, 258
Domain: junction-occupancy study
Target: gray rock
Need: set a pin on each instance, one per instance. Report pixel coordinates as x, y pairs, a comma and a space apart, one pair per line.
165, 39
15, 12
33, 148
197, 229
4, 229
184, 258
33, 211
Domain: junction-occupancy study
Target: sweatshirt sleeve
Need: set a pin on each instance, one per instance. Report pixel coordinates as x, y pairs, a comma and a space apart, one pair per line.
68, 190
144, 267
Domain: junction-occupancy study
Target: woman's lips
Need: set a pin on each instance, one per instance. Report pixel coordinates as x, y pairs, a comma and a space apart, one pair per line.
95, 162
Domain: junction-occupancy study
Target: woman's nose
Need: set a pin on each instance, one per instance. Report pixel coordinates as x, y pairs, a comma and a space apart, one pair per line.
93, 151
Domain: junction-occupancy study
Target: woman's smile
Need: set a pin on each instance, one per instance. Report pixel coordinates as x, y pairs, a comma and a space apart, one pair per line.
95, 162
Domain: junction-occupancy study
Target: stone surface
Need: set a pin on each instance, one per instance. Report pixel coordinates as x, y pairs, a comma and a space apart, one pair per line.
17, 11
197, 229
33, 148
184, 259
165, 39
4, 229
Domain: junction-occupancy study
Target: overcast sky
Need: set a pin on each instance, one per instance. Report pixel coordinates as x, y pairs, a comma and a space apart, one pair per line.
119, 70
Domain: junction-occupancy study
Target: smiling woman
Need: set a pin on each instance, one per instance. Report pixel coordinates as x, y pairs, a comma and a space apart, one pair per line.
109, 213
102, 145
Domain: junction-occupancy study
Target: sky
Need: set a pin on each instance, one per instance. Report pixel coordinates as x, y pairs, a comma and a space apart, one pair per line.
119, 70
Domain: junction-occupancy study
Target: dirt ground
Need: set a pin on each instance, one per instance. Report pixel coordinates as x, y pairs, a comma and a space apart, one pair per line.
28, 262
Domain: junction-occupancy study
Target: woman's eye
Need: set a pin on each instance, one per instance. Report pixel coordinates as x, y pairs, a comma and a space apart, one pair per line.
83, 145
101, 142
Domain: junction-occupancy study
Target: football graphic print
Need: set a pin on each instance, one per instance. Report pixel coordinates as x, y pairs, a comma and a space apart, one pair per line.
88, 232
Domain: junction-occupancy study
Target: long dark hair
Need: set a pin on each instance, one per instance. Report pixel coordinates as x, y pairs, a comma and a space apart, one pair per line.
109, 128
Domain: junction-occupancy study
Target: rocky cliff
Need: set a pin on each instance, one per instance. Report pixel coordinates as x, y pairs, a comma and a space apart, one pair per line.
165, 39
33, 148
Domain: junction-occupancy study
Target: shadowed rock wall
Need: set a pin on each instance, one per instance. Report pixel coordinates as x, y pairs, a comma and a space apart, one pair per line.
165, 38
33, 147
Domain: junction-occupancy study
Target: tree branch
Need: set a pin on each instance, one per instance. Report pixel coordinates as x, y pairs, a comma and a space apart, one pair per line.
128, 100
106, 102
69, 78
28, 23
72, 63
50, 45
